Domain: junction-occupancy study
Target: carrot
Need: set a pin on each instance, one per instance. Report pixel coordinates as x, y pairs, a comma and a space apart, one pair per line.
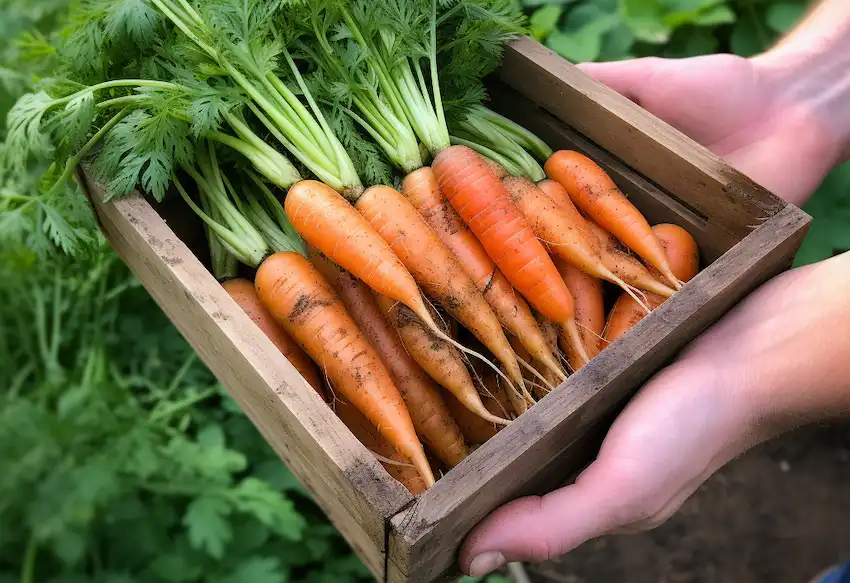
475, 429
440, 360
482, 202
628, 267
329, 223
683, 257
243, 292
564, 234
305, 304
593, 191
497, 168
421, 189
437, 270
496, 396
681, 249
590, 308
623, 265
428, 410
365, 432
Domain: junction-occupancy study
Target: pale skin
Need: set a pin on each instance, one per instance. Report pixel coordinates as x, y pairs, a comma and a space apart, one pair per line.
779, 360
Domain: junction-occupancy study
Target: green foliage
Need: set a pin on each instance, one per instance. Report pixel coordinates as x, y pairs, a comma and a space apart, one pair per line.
123, 458
591, 30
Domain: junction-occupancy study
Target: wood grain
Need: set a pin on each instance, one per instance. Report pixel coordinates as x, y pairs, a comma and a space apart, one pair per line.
344, 478
643, 142
538, 447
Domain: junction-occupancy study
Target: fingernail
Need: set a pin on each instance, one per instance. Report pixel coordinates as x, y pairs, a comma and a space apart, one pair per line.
486, 563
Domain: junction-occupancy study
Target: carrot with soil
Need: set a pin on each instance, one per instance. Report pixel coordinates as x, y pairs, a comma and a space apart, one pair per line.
431, 417
437, 270
393, 462
560, 231
625, 265
593, 191
307, 307
590, 308
243, 293
482, 202
421, 189
439, 359
684, 258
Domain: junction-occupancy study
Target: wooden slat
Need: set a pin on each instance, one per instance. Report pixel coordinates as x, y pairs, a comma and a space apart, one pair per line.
425, 538
649, 146
344, 478
658, 206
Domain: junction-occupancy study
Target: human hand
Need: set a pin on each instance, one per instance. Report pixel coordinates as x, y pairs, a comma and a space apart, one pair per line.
761, 115
770, 364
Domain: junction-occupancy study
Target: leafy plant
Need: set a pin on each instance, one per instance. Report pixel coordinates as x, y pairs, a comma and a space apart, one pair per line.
124, 459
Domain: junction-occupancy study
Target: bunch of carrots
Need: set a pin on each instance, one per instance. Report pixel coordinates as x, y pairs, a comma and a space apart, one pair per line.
429, 312
522, 268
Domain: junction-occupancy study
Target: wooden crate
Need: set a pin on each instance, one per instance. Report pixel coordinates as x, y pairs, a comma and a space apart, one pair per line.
746, 236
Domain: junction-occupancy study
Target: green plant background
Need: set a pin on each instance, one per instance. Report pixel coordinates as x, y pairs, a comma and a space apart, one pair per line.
124, 461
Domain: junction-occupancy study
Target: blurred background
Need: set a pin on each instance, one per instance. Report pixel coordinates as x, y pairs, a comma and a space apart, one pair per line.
123, 461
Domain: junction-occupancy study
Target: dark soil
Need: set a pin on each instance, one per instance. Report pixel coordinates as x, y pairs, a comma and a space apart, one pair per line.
781, 514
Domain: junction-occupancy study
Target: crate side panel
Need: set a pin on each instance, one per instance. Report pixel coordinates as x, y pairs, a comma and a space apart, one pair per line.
425, 537
649, 146
345, 480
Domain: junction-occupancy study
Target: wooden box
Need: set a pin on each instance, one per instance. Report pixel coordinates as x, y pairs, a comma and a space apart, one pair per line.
746, 236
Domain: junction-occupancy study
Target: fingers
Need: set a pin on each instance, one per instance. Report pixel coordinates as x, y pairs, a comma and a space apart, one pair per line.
629, 78
536, 529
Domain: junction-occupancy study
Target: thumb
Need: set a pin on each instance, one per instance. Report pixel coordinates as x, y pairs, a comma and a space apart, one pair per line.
536, 529
628, 78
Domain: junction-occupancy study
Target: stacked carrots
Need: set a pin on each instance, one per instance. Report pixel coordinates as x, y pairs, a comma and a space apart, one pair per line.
518, 273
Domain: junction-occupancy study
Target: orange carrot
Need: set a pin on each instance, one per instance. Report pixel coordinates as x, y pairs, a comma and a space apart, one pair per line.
305, 304
564, 234
593, 191
626, 266
590, 308
497, 168
614, 258
243, 292
329, 223
681, 249
431, 417
475, 429
365, 432
421, 189
482, 202
683, 257
440, 360
437, 270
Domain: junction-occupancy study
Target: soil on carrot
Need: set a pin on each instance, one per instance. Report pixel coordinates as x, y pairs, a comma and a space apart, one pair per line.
780, 514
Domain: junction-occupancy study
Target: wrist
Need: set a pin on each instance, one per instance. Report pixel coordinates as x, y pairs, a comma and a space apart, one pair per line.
809, 73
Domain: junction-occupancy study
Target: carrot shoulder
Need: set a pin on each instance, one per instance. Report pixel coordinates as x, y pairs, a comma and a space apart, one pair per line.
428, 410
243, 292
593, 191
329, 223
307, 307
421, 189
482, 202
